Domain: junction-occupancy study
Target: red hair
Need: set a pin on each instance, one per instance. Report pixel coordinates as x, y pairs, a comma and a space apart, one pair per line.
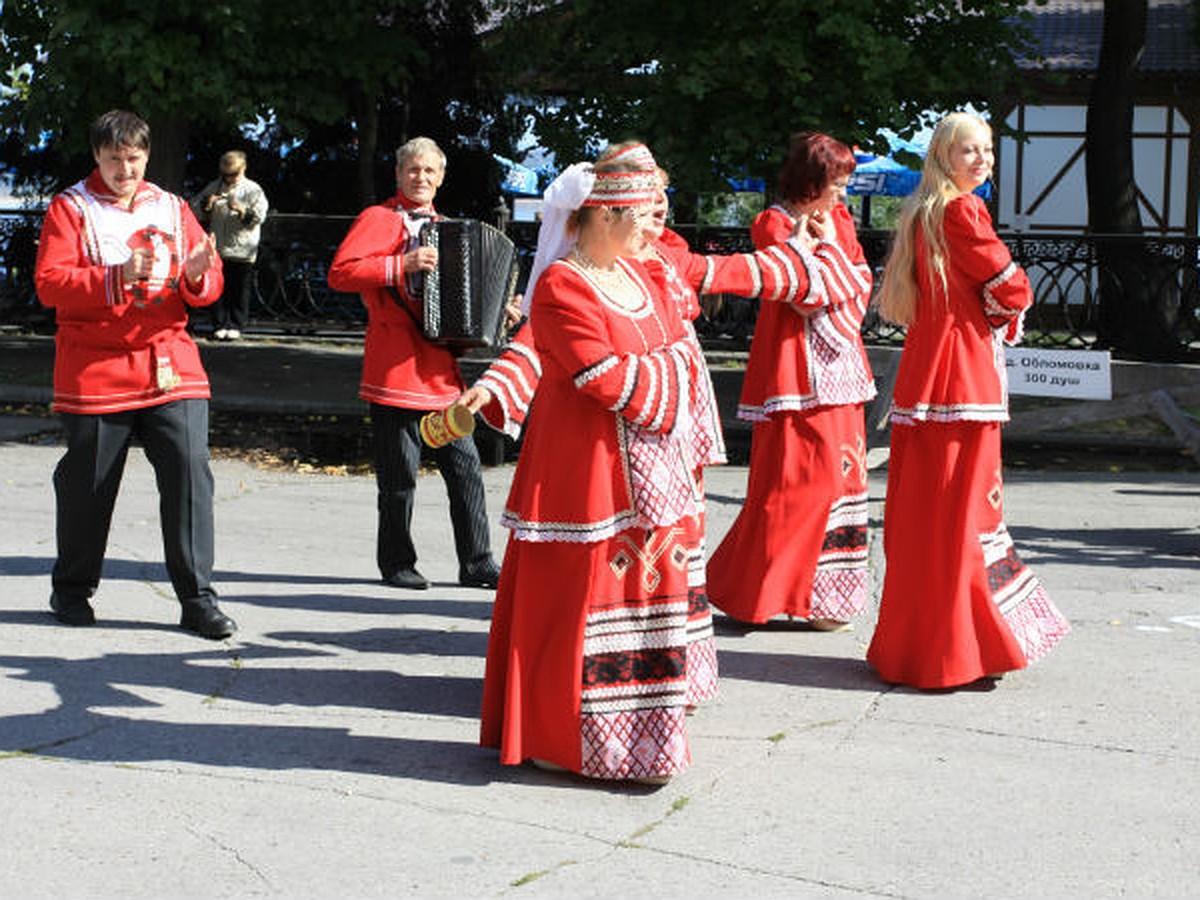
814, 161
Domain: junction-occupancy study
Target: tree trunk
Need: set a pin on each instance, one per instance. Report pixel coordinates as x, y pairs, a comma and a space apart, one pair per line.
367, 123
168, 150
1138, 296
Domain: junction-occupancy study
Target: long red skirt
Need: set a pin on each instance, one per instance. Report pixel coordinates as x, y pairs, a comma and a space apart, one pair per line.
590, 665
958, 603
799, 544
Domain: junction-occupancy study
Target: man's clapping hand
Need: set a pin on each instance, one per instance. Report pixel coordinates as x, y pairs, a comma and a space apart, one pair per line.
200, 259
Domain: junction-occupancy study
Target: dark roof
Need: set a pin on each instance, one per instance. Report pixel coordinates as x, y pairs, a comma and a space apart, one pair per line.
1067, 36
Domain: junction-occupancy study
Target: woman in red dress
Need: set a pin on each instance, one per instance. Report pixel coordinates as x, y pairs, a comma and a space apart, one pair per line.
799, 544
958, 603
504, 393
586, 667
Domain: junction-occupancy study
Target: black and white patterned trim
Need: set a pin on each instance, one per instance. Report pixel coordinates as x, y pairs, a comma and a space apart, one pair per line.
568, 532
778, 404
596, 369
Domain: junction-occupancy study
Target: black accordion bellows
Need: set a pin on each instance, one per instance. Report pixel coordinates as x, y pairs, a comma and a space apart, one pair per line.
465, 296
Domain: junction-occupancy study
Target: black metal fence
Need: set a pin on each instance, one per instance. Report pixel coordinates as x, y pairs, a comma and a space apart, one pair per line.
291, 295
1066, 271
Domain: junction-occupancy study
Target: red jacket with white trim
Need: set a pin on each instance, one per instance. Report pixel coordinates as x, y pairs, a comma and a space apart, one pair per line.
610, 376
121, 346
400, 366
809, 353
952, 368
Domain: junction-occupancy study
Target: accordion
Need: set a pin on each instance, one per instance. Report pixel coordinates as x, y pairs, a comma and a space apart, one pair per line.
464, 298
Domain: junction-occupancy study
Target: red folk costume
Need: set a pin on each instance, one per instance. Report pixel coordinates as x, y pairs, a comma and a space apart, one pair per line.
958, 603
400, 367
513, 378
121, 346
799, 545
777, 273
587, 653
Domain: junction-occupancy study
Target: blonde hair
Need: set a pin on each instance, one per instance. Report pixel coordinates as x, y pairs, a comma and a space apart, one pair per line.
925, 209
232, 161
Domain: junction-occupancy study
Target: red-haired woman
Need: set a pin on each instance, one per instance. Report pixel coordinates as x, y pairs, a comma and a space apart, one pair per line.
799, 545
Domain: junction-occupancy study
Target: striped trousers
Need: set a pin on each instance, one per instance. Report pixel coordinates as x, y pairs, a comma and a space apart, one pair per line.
397, 453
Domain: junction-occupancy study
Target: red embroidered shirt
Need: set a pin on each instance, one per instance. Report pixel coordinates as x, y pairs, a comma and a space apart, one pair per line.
121, 346
952, 368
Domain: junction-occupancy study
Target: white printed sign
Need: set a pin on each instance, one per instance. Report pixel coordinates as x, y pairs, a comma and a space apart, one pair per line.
1079, 374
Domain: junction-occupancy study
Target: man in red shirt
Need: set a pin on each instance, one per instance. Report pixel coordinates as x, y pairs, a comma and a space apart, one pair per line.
404, 375
119, 262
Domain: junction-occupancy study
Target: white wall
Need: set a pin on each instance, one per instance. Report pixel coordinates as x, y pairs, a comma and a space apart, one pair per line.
1055, 135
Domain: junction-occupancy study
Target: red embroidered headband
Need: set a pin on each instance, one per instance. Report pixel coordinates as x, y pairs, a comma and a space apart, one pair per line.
638, 155
624, 189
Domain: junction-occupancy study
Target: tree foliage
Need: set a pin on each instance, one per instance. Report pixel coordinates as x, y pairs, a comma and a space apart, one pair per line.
716, 88
325, 88
173, 62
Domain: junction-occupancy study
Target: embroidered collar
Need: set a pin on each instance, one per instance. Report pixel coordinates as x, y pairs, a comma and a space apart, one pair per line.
97, 188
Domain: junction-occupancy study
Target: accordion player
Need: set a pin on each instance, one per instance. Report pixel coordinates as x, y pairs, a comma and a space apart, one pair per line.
464, 298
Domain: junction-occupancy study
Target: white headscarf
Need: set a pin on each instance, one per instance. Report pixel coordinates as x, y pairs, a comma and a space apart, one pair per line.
564, 195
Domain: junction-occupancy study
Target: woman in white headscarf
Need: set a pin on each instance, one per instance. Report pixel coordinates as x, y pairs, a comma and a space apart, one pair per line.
587, 651
504, 394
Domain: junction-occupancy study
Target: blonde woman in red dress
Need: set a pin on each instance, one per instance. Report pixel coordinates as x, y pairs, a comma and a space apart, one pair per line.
799, 545
958, 603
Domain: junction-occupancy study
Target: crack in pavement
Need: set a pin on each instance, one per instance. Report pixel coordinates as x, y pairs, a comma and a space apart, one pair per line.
1035, 739
230, 850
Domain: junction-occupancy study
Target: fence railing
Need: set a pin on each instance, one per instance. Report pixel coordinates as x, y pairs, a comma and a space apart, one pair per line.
290, 293
1066, 272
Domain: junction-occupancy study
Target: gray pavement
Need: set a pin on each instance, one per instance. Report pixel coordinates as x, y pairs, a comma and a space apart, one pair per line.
329, 750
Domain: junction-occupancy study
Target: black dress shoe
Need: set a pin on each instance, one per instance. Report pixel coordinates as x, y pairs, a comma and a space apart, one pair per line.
484, 575
72, 610
407, 578
202, 616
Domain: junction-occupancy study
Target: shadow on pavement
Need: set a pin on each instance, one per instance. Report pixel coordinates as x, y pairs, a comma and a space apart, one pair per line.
800, 670
117, 569
394, 640
76, 730
394, 603
1123, 548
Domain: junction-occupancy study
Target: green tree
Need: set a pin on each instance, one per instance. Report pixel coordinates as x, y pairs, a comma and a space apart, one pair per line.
350, 72
180, 65
716, 88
